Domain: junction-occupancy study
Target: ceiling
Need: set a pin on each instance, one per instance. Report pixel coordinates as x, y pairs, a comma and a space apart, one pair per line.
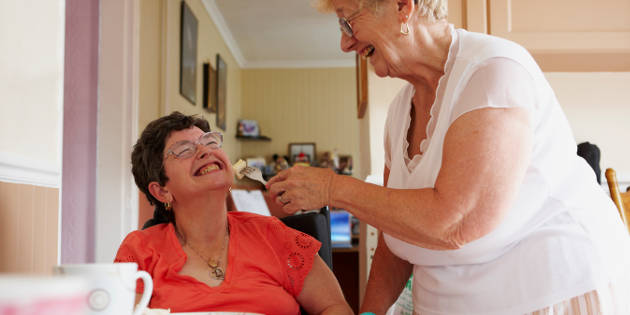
278, 33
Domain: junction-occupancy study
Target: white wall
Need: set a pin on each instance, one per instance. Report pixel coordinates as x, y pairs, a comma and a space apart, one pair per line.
31, 86
381, 91
597, 106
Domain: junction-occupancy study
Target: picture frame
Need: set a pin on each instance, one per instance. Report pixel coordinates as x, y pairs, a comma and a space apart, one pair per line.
248, 128
188, 54
209, 88
303, 153
362, 95
221, 92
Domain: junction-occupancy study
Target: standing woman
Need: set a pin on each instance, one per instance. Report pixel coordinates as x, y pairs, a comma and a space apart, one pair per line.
485, 200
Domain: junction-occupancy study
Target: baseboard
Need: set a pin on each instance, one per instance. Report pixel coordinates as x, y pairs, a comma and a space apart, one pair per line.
20, 170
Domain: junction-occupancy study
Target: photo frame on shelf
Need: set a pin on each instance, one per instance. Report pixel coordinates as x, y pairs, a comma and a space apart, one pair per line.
209, 88
188, 54
248, 128
302, 153
221, 92
362, 96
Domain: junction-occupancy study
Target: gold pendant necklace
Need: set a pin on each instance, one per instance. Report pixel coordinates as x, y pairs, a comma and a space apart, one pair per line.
216, 271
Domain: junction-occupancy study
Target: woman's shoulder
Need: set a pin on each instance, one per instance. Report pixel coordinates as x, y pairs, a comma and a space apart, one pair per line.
138, 246
244, 218
154, 234
477, 48
256, 225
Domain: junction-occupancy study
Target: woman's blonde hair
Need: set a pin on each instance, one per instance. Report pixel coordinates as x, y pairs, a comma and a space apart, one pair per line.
433, 9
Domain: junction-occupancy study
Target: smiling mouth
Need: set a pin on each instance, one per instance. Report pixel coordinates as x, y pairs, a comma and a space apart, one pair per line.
367, 52
207, 169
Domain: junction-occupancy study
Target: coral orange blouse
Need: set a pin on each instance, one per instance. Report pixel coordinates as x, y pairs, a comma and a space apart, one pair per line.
267, 264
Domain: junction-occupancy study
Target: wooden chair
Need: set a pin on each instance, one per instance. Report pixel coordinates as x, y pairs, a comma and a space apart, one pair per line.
621, 199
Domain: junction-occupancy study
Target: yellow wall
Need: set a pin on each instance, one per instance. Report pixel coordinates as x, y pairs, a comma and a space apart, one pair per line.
302, 105
159, 67
150, 103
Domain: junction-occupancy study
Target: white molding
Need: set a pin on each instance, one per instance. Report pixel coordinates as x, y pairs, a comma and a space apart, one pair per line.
116, 196
339, 63
224, 30
23, 170
60, 108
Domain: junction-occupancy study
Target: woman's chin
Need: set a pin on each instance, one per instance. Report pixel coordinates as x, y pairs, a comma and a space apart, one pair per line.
222, 185
379, 68
381, 72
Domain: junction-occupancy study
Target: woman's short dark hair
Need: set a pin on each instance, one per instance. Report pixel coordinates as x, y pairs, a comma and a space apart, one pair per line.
148, 156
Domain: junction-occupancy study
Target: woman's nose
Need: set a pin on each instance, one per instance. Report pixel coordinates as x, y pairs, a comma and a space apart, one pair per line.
203, 151
347, 42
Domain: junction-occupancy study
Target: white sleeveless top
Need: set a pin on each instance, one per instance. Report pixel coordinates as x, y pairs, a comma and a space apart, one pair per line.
561, 238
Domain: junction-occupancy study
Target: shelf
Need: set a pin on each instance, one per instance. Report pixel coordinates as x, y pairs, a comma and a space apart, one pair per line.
250, 138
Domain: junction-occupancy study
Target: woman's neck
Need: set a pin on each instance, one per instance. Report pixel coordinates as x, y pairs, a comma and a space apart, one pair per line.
202, 222
427, 61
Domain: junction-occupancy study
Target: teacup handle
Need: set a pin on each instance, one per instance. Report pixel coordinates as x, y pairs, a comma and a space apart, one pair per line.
148, 291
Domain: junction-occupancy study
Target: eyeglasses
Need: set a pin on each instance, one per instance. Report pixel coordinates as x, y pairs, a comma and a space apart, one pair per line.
344, 23
186, 149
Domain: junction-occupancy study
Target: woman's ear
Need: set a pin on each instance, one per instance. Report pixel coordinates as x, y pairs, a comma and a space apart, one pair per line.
405, 8
160, 192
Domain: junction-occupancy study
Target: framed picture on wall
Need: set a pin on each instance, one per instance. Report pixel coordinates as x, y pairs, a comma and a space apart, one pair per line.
209, 88
302, 153
221, 92
188, 54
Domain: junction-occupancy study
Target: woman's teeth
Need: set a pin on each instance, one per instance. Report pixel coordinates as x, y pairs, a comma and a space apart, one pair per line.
208, 169
368, 51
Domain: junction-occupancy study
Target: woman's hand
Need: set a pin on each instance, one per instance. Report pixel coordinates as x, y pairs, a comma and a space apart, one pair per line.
302, 188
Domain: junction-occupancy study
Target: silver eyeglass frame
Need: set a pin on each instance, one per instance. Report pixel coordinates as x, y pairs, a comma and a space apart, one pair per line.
196, 144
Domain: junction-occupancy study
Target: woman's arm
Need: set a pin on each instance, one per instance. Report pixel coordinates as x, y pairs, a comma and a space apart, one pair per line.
321, 293
388, 276
485, 156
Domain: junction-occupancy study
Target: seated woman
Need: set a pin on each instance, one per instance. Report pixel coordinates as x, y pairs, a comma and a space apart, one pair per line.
204, 258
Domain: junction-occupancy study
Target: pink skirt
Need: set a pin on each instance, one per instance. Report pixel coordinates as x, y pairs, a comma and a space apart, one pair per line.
610, 300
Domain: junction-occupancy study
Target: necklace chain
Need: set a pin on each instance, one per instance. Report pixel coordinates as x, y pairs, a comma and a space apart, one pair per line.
216, 271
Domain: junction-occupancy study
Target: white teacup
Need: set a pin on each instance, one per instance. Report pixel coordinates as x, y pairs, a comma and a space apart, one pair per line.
112, 287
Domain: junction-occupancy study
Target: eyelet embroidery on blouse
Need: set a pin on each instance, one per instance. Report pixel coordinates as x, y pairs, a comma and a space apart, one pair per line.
303, 241
295, 261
